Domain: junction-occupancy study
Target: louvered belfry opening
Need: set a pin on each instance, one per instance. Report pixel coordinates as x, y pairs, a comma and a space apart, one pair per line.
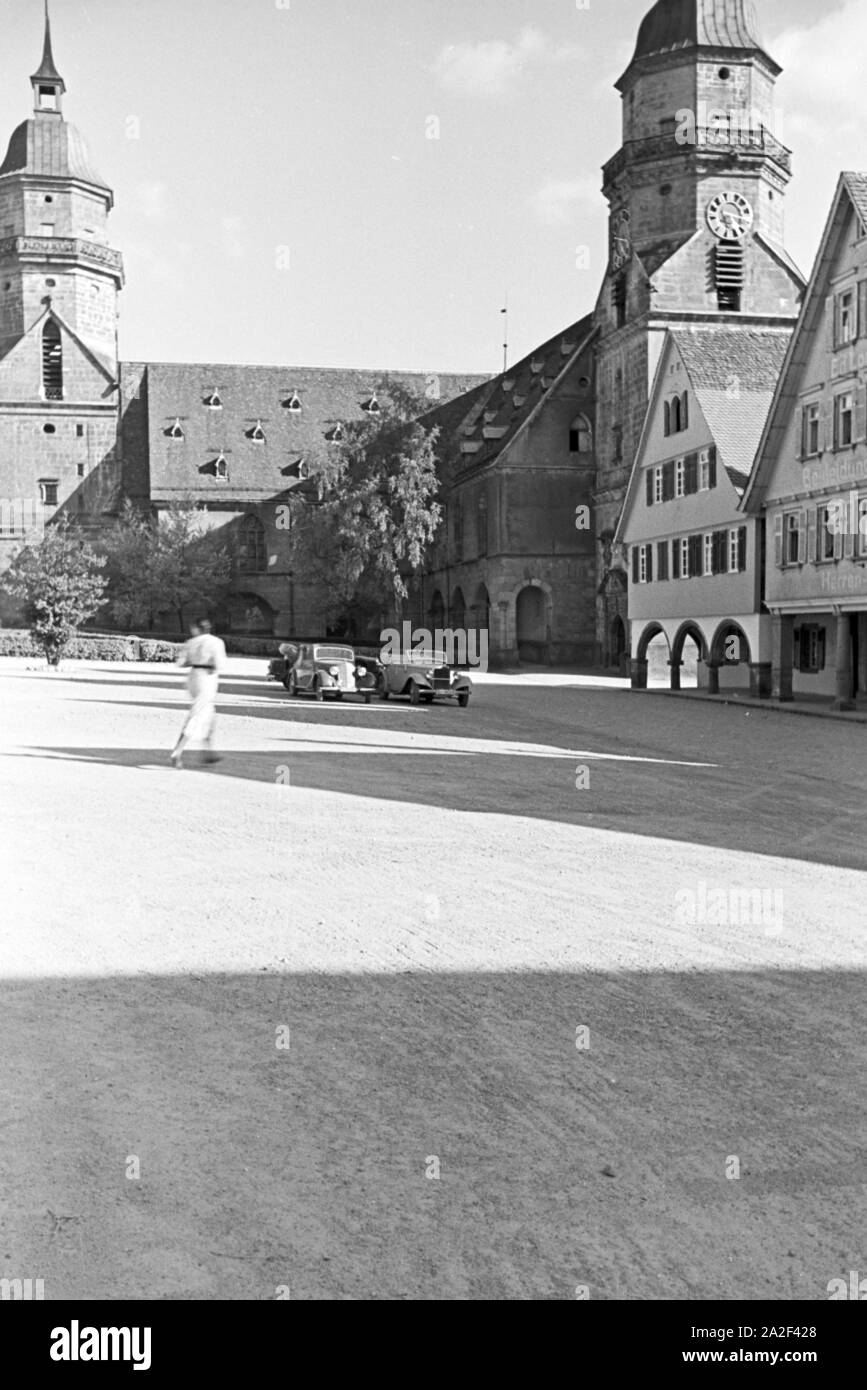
52, 362
729, 276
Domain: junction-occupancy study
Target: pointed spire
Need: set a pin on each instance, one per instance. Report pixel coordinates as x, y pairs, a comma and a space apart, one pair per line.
47, 73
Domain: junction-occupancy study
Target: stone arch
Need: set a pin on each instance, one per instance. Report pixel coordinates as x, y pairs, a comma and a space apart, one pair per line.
458, 611
437, 611
689, 629
533, 614
652, 631
718, 649
482, 608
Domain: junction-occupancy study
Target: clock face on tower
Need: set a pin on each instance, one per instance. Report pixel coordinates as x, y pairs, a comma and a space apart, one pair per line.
621, 241
729, 216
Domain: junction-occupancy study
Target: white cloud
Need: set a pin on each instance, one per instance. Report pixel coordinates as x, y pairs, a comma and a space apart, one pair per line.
494, 66
823, 86
557, 201
153, 201
233, 246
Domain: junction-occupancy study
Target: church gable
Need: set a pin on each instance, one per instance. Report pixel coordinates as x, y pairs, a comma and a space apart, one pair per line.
50, 364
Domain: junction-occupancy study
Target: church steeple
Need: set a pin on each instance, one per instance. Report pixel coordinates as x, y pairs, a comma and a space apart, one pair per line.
48, 85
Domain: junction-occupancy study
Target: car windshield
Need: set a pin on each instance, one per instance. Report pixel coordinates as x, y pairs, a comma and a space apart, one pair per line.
421, 657
334, 654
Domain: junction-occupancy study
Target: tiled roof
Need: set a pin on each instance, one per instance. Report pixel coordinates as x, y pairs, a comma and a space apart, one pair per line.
476, 429
734, 373
857, 186
258, 396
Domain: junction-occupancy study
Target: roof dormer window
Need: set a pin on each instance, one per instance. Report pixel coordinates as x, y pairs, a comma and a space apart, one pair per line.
371, 407
213, 401
257, 434
221, 468
176, 431
335, 435
293, 403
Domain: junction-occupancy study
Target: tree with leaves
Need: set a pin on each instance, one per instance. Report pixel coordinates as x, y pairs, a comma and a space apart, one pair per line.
165, 563
374, 510
60, 581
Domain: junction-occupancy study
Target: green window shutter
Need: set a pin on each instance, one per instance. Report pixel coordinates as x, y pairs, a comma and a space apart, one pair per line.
684, 411
667, 482
649, 563
675, 559
662, 560
778, 540
649, 486
801, 436
742, 549
833, 317
826, 426
860, 421
862, 308
635, 564
712, 465
849, 537
823, 633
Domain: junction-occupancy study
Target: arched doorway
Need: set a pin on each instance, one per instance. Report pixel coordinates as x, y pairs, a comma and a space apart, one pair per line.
730, 657
437, 611
653, 649
459, 609
532, 623
482, 608
688, 649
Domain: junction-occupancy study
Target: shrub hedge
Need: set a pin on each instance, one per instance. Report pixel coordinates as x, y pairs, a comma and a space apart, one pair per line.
81, 648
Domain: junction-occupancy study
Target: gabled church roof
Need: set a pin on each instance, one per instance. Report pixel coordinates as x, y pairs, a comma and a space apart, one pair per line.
851, 193
487, 420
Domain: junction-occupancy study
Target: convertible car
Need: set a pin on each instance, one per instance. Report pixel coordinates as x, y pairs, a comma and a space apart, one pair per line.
424, 676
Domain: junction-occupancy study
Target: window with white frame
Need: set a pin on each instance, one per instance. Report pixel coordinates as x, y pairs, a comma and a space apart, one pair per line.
708, 554
862, 527
825, 539
679, 478
811, 429
48, 491
734, 551
684, 557
704, 471
792, 539
642, 564
657, 485
843, 419
846, 318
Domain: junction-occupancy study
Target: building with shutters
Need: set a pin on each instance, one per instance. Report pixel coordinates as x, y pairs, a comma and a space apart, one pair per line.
695, 560
696, 201
810, 481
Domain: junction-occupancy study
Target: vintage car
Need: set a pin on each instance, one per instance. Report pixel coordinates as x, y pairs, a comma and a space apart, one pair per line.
325, 668
423, 675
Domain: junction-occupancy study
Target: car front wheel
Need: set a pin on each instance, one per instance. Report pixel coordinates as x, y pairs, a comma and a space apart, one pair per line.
464, 699
414, 693
317, 691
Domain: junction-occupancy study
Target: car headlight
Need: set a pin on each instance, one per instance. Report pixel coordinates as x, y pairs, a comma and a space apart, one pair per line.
334, 670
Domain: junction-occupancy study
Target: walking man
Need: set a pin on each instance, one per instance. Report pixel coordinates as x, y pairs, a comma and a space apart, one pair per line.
205, 655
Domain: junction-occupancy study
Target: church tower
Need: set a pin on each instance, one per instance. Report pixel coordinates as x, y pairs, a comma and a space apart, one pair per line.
59, 285
696, 198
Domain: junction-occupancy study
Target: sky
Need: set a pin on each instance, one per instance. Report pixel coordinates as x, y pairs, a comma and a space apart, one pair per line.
363, 182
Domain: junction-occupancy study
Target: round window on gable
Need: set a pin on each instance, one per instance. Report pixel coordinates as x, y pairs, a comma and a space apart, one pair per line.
725, 74
50, 284
49, 429
49, 198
